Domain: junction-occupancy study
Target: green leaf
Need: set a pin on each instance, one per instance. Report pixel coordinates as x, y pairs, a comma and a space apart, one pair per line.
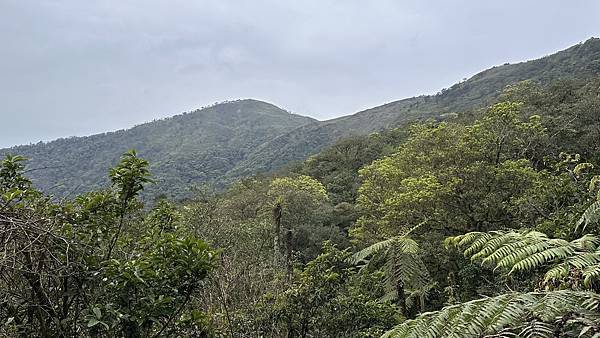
93, 322
97, 312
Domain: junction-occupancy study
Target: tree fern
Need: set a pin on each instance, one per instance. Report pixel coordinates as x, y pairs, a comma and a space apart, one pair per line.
514, 314
508, 315
403, 244
404, 269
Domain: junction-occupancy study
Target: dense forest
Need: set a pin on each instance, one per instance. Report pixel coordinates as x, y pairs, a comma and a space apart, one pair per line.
478, 220
186, 150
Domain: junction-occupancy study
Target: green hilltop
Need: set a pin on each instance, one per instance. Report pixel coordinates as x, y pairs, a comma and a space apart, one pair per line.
185, 150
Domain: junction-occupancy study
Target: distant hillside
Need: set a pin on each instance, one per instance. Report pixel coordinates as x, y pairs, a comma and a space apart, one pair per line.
185, 150
222, 143
579, 61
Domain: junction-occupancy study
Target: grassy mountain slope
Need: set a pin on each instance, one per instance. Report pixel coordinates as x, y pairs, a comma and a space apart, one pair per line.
184, 150
579, 61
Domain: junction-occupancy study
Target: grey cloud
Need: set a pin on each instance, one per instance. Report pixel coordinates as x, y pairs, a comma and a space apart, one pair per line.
71, 67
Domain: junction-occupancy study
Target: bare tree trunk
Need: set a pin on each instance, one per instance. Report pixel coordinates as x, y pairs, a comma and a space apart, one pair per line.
288, 251
276, 235
401, 297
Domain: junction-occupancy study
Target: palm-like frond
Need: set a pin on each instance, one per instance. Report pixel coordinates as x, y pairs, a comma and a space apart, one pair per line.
536, 329
510, 315
406, 267
399, 256
515, 251
399, 243
590, 215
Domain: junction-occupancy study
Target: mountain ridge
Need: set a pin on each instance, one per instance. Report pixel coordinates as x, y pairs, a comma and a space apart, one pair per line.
201, 144
480, 90
221, 143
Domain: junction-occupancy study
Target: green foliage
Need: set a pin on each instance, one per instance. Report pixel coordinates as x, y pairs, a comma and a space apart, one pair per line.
574, 264
238, 224
453, 177
13, 184
514, 314
328, 299
164, 216
401, 243
570, 109
130, 175
589, 216
299, 204
60, 279
11, 173
152, 289
284, 189
336, 167
405, 273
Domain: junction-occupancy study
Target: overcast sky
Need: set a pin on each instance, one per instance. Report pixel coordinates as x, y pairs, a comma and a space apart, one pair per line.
73, 67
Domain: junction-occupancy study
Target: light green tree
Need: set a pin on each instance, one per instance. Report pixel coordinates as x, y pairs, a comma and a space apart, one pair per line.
296, 203
454, 177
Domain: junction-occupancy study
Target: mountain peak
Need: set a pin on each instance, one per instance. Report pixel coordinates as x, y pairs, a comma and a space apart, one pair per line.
245, 109
184, 150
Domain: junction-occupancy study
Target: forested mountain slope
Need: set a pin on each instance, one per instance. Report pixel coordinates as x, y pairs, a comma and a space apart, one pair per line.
222, 143
579, 61
184, 150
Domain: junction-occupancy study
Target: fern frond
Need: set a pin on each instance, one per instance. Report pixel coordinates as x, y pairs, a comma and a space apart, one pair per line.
558, 252
559, 271
525, 251
587, 242
361, 255
477, 242
591, 274
406, 268
590, 215
491, 246
511, 314
537, 329
400, 243
389, 296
